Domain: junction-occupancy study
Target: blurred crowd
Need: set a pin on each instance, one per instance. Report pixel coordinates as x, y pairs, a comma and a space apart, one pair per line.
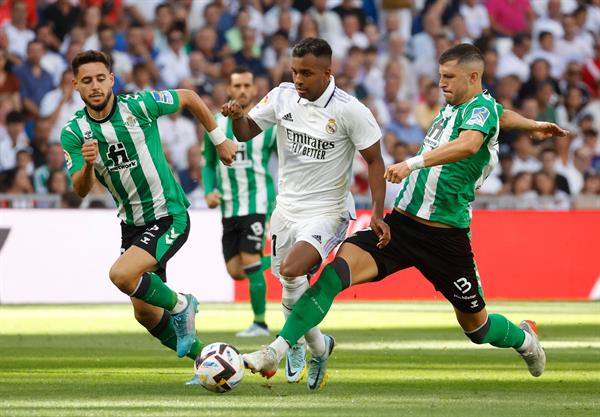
542, 59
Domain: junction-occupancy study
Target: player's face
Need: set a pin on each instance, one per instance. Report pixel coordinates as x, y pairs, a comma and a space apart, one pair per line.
94, 82
454, 82
311, 75
241, 88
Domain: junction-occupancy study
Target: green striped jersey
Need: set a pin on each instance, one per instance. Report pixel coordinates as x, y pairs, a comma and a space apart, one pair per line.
444, 193
131, 162
246, 187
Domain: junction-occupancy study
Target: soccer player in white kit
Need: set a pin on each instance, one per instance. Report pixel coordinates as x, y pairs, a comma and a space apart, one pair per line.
319, 129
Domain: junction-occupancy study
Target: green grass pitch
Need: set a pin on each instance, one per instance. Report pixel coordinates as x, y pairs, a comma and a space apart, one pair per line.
392, 359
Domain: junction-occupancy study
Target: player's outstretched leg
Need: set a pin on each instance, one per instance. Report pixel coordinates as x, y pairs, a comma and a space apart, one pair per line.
308, 312
500, 332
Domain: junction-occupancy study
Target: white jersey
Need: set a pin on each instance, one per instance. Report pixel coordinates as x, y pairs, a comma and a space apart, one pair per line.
316, 143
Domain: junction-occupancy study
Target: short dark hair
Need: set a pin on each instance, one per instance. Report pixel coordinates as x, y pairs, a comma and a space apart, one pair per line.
462, 53
15, 117
241, 69
314, 46
90, 56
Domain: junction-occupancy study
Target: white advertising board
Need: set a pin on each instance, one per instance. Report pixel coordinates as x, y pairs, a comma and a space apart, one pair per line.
63, 256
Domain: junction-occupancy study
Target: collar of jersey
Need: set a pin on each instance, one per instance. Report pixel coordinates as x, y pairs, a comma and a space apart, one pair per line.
325, 98
107, 118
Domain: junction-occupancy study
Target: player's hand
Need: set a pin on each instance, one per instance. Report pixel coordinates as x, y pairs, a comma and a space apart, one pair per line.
232, 109
213, 199
226, 151
89, 151
545, 130
397, 172
382, 230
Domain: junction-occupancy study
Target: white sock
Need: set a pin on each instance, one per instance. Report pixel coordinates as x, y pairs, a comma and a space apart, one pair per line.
182, 303
280, 346
316, 342
292, 291
526, 343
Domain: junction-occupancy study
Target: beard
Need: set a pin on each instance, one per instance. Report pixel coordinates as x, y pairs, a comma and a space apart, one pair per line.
98, 107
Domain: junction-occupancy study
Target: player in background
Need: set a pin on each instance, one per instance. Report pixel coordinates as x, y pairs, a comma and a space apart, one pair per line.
246, 193
115, 139
319, 129
430, 222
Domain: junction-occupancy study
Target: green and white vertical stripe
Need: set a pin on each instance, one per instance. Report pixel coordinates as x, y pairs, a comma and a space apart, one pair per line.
443, 193
131, 163
247, 186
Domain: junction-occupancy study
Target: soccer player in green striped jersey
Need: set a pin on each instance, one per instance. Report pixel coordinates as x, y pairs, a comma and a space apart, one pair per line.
116, 140
430, 223
246, 193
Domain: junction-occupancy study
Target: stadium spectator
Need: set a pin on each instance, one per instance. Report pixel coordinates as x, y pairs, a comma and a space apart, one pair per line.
308, 28
427, 110
191, 175
15, 181
569, 113
422, 45
516, 60
546, 99
234, 35
546, 50
524, 159
55, 161
328, 21
9, 88
40, 141
178, 134
572, 79
70, 200
549, 196
572, 48
522, 187
476, 18
25, 161
591, 72
548, 159
490, 73
138, 50
404, 128
52, 61
35, 81
539, 72
271, 18
509, 17
164, 18
249, 55
19, 35
59, 105
173, 62
565, 164
121, 64
201, 81
12, 139
551, 21
57, 182
205, 42
276, 58
351, 36
63, 16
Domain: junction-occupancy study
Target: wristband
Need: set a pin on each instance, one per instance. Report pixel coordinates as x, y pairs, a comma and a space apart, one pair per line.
416, 162
217, 136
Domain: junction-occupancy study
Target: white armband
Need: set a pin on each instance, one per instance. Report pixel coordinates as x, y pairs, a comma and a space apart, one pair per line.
217, 136
416, 162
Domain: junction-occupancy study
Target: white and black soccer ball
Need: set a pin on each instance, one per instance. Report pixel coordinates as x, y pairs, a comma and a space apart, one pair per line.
219, 367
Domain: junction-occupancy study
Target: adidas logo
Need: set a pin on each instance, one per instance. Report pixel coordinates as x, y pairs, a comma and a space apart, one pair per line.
288, 117
317, 238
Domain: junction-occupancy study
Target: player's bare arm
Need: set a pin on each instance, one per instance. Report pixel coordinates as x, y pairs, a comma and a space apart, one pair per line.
376, 168
191, 100
538, 130
83, 180
244, 128
467, 144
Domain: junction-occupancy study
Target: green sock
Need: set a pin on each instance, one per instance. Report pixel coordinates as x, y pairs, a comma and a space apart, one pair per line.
165, 332
258, 291
503, 333
265, 262
313, 306
154, 291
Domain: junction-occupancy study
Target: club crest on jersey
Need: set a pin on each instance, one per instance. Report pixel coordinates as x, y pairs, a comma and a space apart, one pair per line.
479, 116
68, 160
331, 127
130, 121
163, 97
87, 135
262, 102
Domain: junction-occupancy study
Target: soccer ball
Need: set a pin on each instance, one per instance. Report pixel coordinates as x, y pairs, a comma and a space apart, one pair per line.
219, 367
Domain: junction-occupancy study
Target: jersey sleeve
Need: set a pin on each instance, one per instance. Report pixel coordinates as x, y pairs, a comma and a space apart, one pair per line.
159, 103
264, 113
482, 115
72, 149
361, 126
